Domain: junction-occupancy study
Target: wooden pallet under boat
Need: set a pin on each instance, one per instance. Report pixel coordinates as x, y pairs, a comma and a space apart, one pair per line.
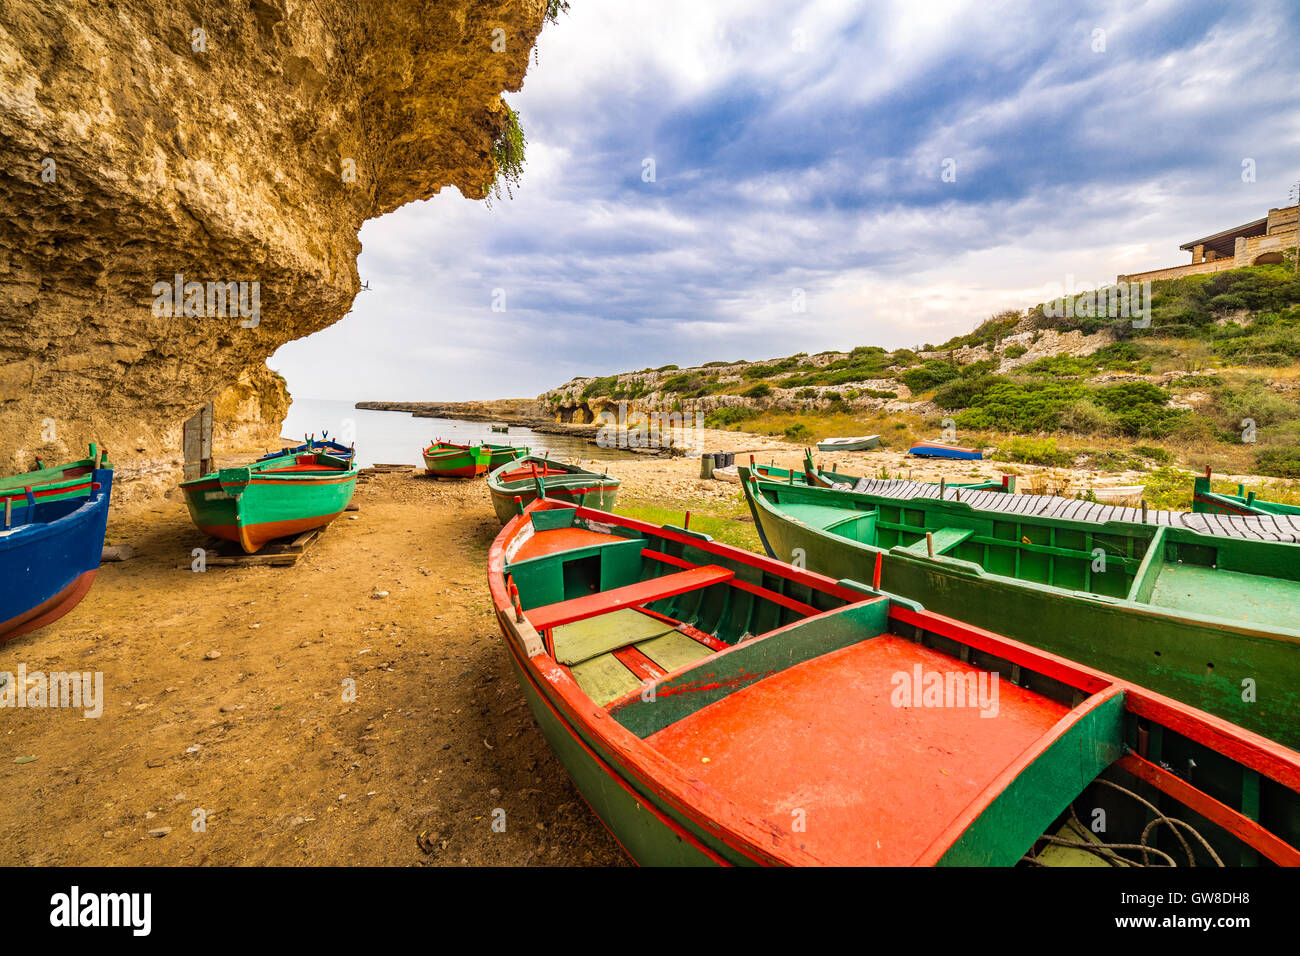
717, 707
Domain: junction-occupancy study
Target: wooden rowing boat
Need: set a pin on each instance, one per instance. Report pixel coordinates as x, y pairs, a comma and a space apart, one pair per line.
1212, 621
1205, 500
446, 460
502, 429
49, 554
830, 478
271, 498
938, 449
861, 443
515, 484
503, 454
54, 482
311, 445
714, 706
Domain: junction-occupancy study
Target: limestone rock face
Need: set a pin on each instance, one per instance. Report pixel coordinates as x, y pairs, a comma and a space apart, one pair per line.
248, 414
243, 141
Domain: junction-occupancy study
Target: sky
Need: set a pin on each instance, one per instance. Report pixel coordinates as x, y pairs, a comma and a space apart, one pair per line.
746, 179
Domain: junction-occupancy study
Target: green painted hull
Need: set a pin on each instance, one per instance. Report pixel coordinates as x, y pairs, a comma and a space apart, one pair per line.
573, 485
443, 460
265, 501
1184, 652
1207, 501
504, 454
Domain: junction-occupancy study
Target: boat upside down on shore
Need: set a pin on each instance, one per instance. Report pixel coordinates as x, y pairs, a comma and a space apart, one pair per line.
271, 498
1211, 621
718, 707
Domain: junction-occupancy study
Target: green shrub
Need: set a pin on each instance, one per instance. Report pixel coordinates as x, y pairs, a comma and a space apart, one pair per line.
761, 390
729, 416
1034, 451
1278, 462
1015, 351
930, 375
798, 433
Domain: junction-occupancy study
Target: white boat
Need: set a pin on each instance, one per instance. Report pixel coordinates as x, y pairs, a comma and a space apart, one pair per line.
861, 443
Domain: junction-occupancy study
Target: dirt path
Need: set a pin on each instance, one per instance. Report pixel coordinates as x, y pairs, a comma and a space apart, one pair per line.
260, 737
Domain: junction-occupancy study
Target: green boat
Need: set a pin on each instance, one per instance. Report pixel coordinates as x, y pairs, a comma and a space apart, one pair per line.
825, 478
271, 498
444, 459
716, 707
1212, 621
56, 482
516, 483
1205, 500
503, 454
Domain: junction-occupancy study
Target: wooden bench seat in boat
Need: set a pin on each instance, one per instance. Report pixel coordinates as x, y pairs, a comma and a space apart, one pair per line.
945, 539
575, 609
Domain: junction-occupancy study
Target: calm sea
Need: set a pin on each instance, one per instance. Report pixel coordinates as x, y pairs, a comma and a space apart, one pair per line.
398, 437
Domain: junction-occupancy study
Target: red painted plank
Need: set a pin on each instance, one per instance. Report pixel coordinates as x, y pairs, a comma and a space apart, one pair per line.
694, 633
640, 665
766, 593
1236, 823
566, 612
1258, 753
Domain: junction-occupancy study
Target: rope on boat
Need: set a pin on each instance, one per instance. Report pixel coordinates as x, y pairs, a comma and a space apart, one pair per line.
1108, 851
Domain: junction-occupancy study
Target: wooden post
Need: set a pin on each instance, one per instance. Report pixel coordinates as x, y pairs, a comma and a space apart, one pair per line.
1144, 511
929, 543
875, 576
686, 523
9, 512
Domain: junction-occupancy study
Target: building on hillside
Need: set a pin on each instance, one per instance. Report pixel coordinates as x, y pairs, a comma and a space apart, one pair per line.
1251, 244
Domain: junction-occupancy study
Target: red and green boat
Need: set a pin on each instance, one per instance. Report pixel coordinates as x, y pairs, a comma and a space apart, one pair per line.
446, 460
271, 498
515, 484
56, 482
715, 706
1211, 620
1205, 500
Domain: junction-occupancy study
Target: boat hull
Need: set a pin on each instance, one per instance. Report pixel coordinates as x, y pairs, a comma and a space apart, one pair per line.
1199, 663
644, 827
456, 462
862, 444
935, 450
47, 569
269, 506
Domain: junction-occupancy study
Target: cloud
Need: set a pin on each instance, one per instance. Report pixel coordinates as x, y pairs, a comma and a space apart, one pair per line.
801, 146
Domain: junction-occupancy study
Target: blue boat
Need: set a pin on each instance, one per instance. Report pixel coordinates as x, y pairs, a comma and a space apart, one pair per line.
938, 449
312, 446
49, 554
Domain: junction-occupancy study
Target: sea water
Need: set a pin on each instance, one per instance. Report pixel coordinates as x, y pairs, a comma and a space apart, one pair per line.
397, 438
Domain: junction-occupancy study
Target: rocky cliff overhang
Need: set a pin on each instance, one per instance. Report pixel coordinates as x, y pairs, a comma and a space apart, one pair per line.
236, 145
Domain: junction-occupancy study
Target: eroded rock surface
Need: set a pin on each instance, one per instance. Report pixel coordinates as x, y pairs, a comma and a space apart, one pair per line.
137, 148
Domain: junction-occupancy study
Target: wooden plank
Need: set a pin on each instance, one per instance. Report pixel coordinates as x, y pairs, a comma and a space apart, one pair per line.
593, 636
566, 612
673, 650
604, 679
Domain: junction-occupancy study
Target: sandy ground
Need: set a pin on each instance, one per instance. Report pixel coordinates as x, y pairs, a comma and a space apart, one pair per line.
224, 693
